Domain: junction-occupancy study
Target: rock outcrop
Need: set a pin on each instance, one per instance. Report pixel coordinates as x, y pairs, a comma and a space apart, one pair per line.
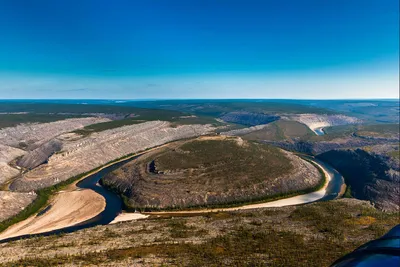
11, 203
7, 154
315, 121
84, 154
40, 155
369, 175
31, 135
210, 172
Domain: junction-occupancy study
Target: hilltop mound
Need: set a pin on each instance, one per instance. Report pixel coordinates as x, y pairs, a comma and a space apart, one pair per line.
210, 171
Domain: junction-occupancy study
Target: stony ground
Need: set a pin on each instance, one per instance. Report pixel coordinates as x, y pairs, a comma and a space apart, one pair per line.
314, 121
13, 202
31, 135
210, 171
308, 235
80, 155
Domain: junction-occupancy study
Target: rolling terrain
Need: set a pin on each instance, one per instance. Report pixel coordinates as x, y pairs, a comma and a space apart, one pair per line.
210, 171
244, 158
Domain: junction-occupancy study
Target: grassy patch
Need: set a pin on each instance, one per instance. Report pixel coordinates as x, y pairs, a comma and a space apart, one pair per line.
44, 194
252, 238
203, 166
230, 204
347, 193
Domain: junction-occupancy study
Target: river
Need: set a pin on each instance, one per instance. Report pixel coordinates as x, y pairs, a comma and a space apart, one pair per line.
319, 131
114, 202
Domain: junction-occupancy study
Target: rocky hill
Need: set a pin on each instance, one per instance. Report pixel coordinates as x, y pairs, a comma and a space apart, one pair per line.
40, 155
81, 154
314, 121
370, 176
210, 171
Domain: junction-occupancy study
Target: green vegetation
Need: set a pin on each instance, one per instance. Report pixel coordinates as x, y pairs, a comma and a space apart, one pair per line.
165, 115
217, 108
10, 120
291, 236
347, 193
281, 130
231, 171
209, 162
44, 194
359, 169
381, 128
225, 159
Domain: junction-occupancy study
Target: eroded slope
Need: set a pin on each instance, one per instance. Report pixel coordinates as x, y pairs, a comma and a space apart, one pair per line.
209, 171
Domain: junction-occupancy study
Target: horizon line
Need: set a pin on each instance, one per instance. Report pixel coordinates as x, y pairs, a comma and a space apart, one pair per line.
182, 99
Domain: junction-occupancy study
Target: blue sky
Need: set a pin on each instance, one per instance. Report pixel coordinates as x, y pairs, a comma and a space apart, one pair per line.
199, 49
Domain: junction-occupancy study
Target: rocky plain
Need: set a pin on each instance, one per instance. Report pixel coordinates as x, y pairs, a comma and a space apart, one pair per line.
42, 155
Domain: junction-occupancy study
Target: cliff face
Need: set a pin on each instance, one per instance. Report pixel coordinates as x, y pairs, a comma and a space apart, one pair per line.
371, 176
40, 155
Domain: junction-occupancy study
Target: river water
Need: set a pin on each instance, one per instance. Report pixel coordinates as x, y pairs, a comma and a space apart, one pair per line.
319, 131
114, 202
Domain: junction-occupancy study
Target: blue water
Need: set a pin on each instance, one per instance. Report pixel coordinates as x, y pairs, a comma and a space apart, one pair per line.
319, 131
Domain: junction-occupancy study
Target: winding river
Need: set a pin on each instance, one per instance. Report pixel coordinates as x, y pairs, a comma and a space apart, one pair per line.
319, 131
114, 203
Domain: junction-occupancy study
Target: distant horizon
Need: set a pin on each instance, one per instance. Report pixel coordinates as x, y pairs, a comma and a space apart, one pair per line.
183, 99
199, 49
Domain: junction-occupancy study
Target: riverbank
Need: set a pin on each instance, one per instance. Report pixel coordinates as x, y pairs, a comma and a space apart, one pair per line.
52, 223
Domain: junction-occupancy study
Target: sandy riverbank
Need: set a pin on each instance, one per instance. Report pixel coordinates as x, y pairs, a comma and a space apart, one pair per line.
65, 209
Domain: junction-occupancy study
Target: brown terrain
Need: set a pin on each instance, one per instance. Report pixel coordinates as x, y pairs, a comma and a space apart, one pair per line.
210, 171
13, 202
82, 154
49, 153
309, 235
65, 209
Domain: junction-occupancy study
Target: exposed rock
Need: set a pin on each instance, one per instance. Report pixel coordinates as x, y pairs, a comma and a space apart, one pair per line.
8, 154
11, 203
369, 176
231, 170
314, 121
244, 130
30, 136
311, 147
85, 154
40, 155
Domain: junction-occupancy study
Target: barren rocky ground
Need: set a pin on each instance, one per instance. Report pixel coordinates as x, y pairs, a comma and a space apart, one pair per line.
310, 235
314, 121
50, 154
371, 176
80, 155
13, 202
7, 154
210, 171
31, 135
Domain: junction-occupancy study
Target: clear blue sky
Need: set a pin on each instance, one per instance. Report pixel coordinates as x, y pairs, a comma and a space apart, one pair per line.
199, 49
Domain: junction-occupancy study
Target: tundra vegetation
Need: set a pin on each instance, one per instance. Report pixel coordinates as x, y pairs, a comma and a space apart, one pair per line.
309, 235
210, 171
41, 138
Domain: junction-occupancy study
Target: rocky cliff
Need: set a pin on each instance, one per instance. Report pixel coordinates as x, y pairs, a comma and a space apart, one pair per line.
371, 176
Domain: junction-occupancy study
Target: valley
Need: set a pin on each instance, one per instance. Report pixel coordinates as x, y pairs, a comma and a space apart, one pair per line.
106, 168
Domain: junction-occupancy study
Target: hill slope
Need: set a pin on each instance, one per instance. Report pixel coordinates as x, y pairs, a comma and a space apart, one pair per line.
210, 171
